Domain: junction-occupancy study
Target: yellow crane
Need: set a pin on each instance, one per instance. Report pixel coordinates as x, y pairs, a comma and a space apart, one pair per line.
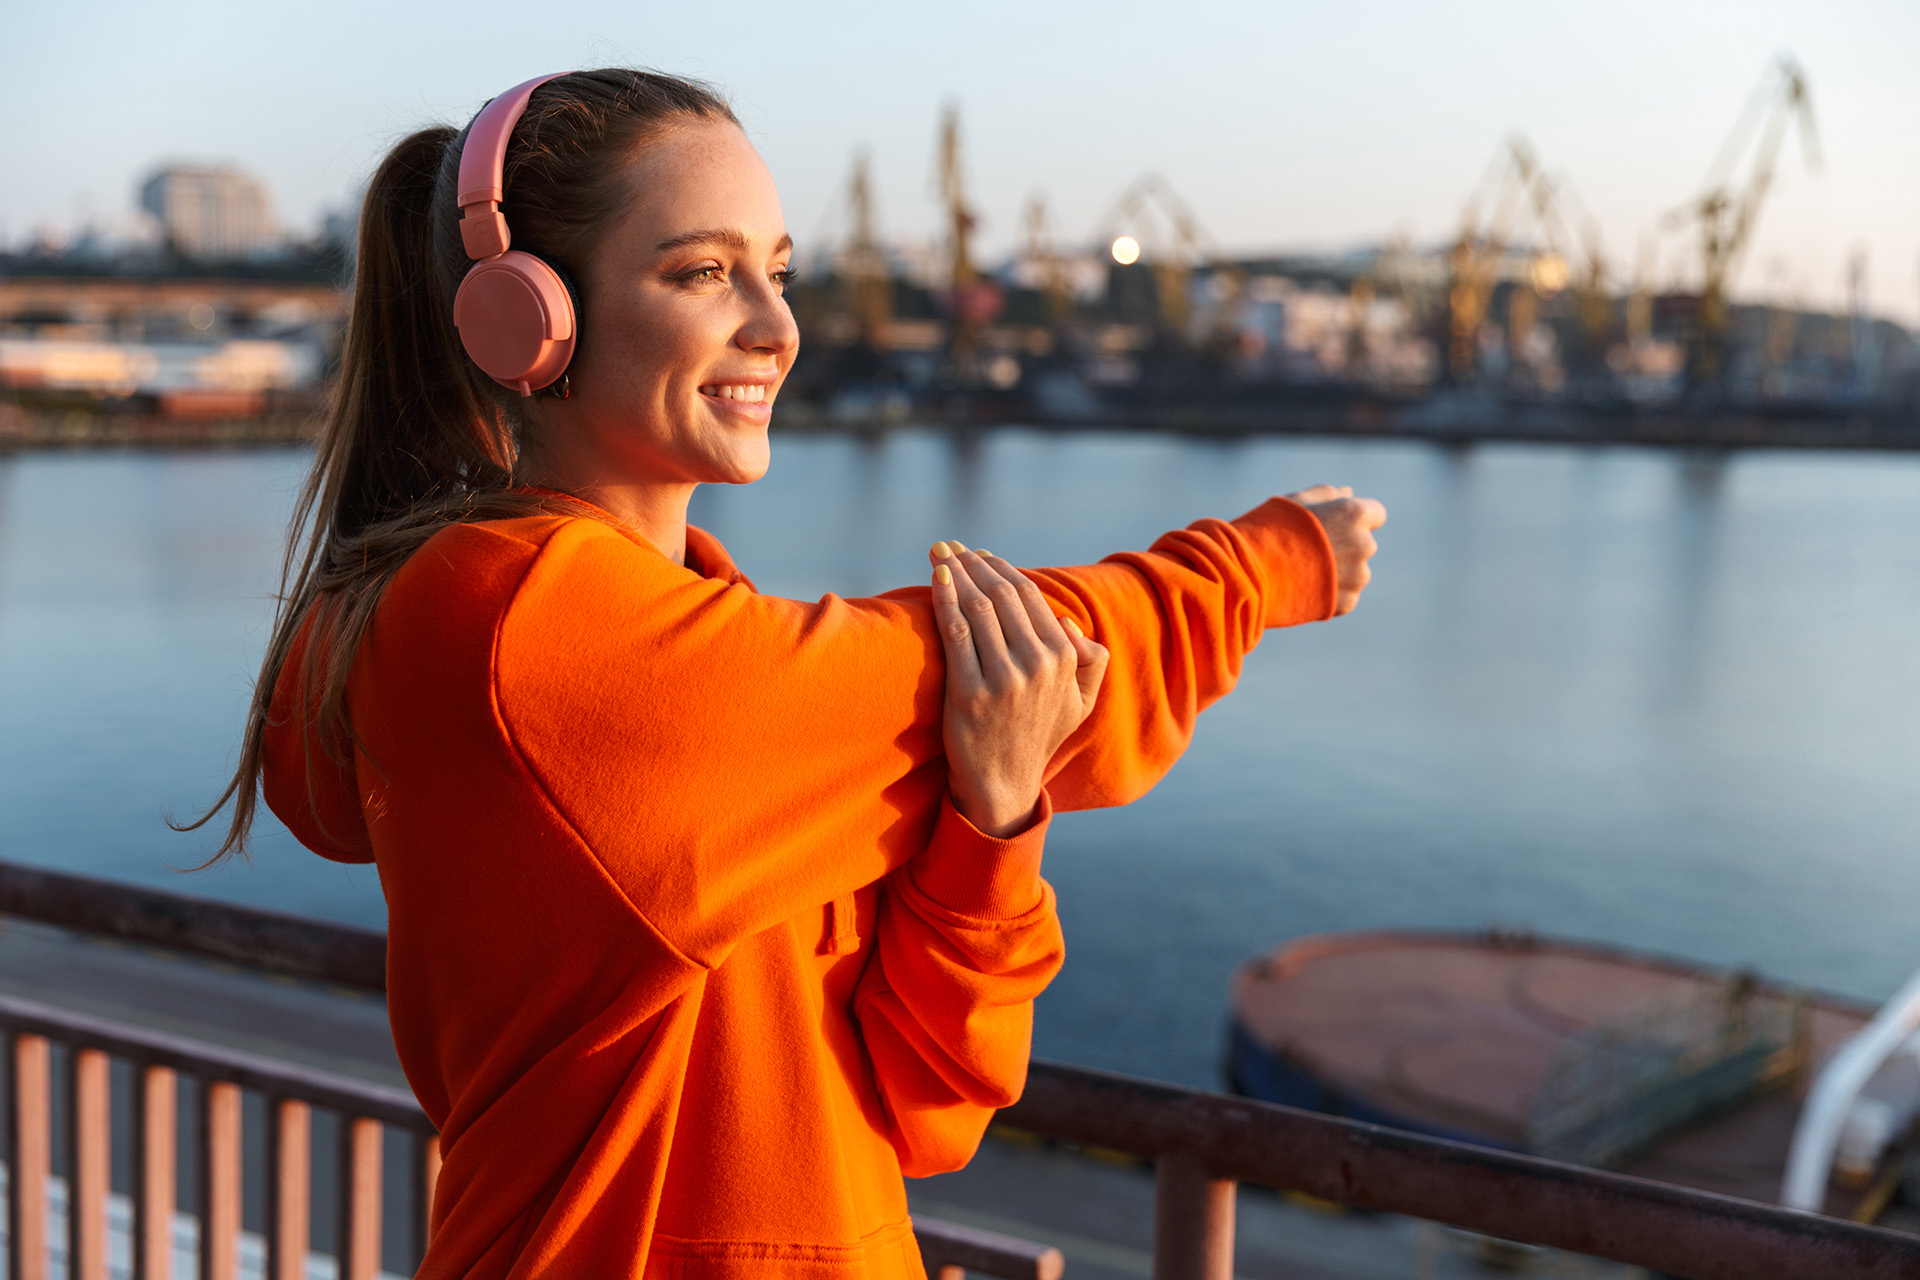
1480, 250
1573, 259
1169, 239
960, 224
1040, 251
863, 264
1727, 207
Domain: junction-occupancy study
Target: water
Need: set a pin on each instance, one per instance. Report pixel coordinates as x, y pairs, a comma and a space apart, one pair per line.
1658, 699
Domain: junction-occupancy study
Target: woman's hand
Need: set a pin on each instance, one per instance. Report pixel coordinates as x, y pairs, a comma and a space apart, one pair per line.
1019, 680
1349, 522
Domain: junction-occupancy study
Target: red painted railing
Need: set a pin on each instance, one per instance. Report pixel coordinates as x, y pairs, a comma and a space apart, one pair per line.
1200, 1144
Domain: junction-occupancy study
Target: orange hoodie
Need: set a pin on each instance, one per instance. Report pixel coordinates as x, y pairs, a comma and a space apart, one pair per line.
688, 958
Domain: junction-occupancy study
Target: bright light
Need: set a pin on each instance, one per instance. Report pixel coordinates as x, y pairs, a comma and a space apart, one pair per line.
1550, 273
1126, 251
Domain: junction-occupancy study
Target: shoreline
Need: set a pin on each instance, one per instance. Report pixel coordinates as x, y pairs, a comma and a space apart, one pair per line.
24, 430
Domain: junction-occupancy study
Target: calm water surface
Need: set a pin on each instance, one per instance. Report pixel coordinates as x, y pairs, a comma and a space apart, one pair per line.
1665, 700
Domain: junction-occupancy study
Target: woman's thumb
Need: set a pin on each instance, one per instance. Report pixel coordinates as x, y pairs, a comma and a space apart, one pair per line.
1091, 658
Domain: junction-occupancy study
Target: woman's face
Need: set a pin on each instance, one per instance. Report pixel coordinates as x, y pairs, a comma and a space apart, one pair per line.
685, 338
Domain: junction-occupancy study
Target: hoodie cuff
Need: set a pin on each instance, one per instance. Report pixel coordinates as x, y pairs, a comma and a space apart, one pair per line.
1302, 583
974, 874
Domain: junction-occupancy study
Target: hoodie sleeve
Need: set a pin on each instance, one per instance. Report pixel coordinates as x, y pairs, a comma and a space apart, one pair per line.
967, 937
733, 758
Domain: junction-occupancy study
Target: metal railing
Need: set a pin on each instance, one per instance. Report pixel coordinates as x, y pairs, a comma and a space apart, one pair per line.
158, 1061
1200, 1144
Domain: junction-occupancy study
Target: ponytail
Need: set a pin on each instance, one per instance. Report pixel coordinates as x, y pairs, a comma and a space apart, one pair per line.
415, 437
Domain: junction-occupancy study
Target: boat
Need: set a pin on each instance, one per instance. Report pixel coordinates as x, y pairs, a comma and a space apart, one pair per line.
1716, 1079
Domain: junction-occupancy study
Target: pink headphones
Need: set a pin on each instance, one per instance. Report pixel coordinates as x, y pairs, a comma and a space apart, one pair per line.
514, 311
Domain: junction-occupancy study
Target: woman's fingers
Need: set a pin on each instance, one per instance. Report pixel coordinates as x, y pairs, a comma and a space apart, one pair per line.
956, 632
1026, 652
982, 616
1039, 609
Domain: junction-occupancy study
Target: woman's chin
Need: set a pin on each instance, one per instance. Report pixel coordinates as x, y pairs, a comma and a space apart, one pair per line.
745, 463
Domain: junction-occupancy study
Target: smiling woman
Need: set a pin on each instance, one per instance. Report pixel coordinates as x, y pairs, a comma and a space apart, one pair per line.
710, 914
690, 339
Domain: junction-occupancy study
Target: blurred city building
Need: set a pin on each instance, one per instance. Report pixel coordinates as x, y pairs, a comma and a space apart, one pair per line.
211, 213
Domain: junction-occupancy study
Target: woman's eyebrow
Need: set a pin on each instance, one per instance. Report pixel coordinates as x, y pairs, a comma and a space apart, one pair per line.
728, 237
734, 240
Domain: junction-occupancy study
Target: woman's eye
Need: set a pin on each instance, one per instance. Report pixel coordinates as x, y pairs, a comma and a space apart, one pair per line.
785, 277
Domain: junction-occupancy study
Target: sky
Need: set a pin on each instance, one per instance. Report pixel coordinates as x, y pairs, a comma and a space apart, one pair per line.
1285, 126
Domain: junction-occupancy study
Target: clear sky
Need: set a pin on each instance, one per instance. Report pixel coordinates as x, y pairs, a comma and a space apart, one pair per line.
1284, 125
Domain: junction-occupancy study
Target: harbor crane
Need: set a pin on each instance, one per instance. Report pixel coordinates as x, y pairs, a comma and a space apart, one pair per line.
973, 300
1480, 250
864, 277
1727, 208
1040, 251
1170, 240
1567, 254
1575, 260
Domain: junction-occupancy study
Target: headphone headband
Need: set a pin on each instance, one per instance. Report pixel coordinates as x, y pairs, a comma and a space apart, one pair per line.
483, 159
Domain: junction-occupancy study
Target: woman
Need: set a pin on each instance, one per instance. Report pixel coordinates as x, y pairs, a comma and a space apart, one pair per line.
710, 914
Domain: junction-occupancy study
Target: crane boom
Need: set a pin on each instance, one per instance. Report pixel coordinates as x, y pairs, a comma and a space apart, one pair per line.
1726, 212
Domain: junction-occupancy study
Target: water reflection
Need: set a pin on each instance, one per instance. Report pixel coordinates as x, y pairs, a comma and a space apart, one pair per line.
1657, 698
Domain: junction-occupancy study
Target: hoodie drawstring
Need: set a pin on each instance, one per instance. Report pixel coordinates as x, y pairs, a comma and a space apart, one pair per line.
842, 935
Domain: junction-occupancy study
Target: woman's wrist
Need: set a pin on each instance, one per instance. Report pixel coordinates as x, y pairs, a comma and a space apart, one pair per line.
1000, 812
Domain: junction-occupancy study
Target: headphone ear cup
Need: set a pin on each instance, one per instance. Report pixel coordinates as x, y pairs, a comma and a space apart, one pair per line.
516, 316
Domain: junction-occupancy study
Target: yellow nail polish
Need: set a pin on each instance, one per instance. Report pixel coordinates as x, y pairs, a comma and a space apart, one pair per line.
1067, 621
956, 544
942, 575
941, 551
982, 552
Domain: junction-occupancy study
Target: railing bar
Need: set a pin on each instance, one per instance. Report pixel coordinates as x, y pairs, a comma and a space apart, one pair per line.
949, 1248
289, 1182
156, 1098
336, 1092
262, 939
31, 1103
90, 1167
359, 1249
1514, 1197
220, 1181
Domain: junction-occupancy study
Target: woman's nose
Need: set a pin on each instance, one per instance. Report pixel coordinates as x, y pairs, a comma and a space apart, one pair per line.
769, 324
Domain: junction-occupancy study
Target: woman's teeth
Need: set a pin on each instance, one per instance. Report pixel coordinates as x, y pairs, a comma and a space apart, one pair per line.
752, 392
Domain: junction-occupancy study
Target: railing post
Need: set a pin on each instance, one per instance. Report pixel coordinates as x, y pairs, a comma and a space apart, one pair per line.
426, 1154
32, 1154
90, 1169
158, 1150
220, 1181
290, 1176
1192, 1222
359, 1247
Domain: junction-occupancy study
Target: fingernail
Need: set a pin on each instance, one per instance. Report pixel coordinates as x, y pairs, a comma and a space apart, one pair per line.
982, 552
942, 575
956, 544
1068, 622
941, 551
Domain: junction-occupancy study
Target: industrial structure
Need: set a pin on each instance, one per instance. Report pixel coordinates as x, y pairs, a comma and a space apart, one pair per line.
1521, 321
1522, 313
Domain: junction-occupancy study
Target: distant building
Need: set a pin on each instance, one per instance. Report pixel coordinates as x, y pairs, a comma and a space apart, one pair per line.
211, 213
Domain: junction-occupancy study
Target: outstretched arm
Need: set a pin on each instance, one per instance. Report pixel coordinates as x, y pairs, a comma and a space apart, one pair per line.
1179, 619
729, 759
